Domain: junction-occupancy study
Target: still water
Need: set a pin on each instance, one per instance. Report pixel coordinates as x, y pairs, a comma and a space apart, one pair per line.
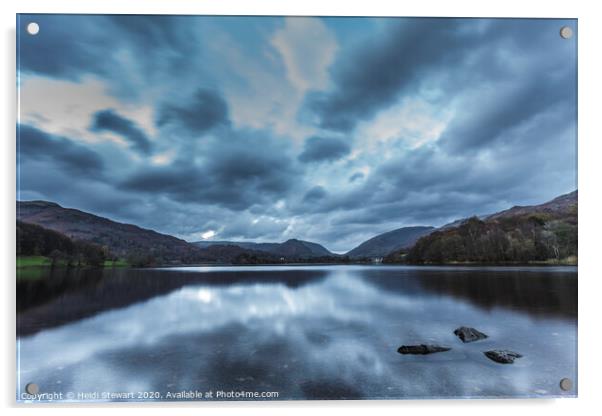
301, 332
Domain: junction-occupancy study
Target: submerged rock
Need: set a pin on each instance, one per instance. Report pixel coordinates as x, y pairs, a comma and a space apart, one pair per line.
467, 334
502, 356
421, 349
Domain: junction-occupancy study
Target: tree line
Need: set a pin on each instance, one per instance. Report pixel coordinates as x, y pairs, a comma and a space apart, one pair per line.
34, 240
537, 237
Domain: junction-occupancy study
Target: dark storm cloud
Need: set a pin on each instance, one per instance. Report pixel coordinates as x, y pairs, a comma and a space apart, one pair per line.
73, 158
374, 75
131, 52
180, 181
321, 149
509, 106
151, 31
109, 120
65, 47
206, 109
451, 54
414, 208
315, 194
69, 46
356, 176
236, 173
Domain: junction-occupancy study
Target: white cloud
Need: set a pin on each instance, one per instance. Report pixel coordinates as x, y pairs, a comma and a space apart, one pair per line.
307, 48
265, 89
257, 94
208, 234
413, 120
66, 108
165, 158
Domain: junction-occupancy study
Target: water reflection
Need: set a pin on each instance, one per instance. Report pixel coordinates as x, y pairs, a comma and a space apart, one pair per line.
64, 295
312, 332
544, 291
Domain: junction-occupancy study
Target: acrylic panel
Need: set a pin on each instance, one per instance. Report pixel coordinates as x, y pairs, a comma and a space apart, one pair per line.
295, 208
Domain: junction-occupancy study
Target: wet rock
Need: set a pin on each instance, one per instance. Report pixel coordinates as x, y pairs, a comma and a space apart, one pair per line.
467, 334
502, 356
422, 349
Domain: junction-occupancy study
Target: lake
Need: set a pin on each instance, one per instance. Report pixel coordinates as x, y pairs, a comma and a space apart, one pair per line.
295, 332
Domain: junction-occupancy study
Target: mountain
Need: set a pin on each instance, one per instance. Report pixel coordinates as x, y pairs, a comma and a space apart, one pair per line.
296, 249
461, 221
521, 234
561, 205
383, 244
558, 204
122, 240
211, 243
290, 249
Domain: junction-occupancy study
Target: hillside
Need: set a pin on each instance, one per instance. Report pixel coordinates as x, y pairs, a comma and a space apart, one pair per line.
33, 240
383, 244
562, 205
211, 243
122, 240
522, 234
290, 249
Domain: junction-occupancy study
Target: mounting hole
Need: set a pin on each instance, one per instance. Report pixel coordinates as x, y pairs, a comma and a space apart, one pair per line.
566, 384
32, 388
33, 28
566, 32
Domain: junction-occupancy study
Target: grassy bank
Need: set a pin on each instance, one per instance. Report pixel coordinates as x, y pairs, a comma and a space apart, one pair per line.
116, 263
33, 267
32, 261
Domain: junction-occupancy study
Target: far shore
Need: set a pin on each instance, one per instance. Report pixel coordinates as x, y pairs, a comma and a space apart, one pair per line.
26, 265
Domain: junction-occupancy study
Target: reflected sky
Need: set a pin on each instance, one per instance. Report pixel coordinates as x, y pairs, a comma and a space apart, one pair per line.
332, 337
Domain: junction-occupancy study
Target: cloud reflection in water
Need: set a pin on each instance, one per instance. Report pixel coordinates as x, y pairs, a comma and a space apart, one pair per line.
330, 338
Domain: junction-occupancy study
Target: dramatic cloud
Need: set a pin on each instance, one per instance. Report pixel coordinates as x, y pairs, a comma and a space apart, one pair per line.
320, 149
267, 128
434, 58
206, 110
70, 156
378, 72
307, 48
315, 193
109, 120
149, 32
62, 47
507, 105
356, 176
236, 172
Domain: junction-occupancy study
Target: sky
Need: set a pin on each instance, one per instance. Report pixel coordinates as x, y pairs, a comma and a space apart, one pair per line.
330, 130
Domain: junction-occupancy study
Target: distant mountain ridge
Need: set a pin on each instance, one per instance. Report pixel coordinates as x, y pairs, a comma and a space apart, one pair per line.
521, 232
143, 246
292, 248
559, 205
383, 244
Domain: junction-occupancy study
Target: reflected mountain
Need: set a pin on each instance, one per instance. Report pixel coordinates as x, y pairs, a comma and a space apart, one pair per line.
60, 295
539, 291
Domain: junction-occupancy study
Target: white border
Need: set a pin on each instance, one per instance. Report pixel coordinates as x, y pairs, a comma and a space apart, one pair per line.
590, 71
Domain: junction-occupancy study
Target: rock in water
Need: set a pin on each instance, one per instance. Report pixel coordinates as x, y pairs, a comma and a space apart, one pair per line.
421, 349
467, 334
502, 356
